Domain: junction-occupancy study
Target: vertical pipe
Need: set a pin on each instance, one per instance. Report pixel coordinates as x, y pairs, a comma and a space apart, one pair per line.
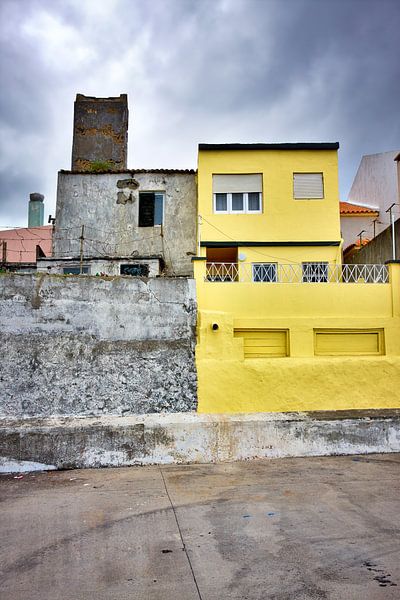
391, 213
199, 235
81, 250
393, 235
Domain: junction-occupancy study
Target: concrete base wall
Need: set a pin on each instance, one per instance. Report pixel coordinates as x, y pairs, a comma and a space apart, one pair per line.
191, 438
96, 346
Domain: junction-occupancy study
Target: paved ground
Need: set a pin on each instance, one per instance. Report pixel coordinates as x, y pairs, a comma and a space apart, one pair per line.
287, 529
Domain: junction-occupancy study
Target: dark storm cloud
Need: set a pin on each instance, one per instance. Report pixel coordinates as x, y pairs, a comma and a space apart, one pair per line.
201, 70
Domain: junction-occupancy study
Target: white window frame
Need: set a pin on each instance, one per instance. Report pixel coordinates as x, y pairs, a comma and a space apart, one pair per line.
270, 265
230, 211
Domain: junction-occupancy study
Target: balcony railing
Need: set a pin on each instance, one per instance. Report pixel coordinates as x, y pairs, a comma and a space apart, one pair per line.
310, 272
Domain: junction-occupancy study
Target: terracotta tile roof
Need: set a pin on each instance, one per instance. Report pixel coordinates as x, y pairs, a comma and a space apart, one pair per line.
22, 242
354, 209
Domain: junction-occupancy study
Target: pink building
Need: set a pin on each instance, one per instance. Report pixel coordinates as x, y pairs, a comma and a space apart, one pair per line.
25, 244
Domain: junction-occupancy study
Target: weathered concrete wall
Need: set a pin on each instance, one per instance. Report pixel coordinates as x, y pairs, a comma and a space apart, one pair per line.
96, 266
145, 439
92, 346
100, 132
111, 224
379, 250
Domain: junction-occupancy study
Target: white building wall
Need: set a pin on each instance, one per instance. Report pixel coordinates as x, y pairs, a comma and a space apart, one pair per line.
376, 184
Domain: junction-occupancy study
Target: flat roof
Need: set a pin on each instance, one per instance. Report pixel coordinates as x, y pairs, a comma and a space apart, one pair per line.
285, 146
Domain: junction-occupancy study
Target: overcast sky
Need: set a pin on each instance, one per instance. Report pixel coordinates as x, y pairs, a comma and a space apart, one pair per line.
194, 71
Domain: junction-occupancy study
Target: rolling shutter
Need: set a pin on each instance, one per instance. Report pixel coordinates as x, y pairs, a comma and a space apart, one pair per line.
308, 185
225, 184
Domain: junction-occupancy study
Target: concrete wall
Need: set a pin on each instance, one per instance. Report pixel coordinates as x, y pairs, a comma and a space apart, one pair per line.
92, 346
109, 213
379, 250
97, 266
65, 443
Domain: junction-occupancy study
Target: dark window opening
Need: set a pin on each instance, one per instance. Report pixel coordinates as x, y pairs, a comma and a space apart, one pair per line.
151, 209
222, 264
75, 270
135, 270
265, 272
315, 272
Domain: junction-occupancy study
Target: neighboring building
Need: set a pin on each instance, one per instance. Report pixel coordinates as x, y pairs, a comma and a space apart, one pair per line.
21, 247
283, 325
128, 215
357, 222
375, 190
377, 185
120, 221
378, 250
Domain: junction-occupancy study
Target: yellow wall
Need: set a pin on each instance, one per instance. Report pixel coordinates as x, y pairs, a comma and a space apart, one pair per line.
305, 379
283, 218
227, 382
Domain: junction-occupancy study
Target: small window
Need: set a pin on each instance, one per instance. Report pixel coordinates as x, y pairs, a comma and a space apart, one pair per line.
308, 186
265, 272
151, 209
315, 272
135, 270
75, 270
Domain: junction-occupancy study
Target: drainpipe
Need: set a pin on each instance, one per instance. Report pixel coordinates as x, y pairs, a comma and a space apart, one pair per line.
391, 213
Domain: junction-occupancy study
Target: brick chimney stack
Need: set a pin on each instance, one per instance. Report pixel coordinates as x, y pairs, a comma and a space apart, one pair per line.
100, 133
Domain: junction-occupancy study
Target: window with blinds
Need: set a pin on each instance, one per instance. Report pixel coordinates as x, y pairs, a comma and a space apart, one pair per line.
239, 193
308, 186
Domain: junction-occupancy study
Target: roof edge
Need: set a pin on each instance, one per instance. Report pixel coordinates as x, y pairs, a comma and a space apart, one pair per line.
131, 172
278, 146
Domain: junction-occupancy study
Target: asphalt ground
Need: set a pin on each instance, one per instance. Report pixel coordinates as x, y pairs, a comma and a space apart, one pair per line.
285, 529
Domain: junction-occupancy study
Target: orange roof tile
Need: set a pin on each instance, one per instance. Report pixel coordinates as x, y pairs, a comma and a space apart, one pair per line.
354, 209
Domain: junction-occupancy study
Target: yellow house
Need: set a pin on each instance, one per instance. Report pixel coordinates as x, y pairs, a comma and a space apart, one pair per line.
283, 325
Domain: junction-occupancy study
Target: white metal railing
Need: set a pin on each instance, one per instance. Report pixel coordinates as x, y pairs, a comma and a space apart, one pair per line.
308, 272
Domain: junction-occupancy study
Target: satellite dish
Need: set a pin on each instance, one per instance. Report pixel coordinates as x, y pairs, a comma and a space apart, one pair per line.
242, 256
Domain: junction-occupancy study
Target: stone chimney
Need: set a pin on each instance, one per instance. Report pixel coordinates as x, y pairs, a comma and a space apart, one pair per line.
36, 210
100, 140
